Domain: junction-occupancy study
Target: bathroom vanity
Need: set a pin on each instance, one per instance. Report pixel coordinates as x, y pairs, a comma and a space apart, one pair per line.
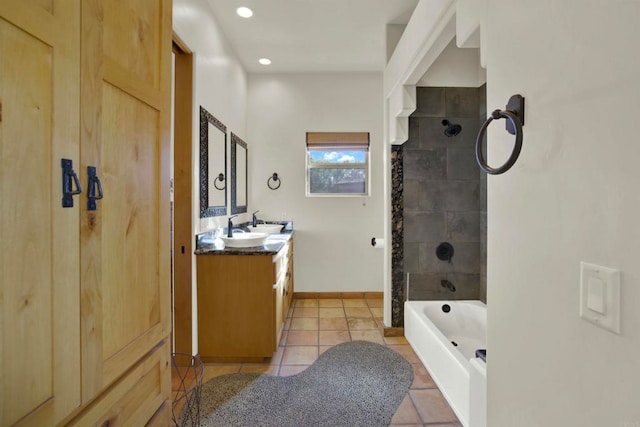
244, 295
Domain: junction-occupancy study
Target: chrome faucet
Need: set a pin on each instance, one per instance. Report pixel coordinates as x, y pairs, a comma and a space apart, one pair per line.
230, 226
255, 219
447, 284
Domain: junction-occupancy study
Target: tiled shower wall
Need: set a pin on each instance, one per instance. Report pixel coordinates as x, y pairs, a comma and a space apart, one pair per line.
442, 192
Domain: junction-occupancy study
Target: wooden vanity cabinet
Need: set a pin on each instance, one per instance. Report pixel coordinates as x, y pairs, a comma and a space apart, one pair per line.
242, 304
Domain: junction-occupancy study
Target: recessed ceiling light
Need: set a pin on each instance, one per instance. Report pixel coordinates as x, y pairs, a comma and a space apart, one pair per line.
264, 61
245, 12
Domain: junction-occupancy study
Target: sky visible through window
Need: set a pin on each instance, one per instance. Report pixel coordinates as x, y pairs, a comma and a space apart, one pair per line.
333, 156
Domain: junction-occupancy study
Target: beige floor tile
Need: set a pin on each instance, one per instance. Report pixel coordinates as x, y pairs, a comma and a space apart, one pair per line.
276, 359
300, 355
372, 335
330, 302
287, 324
324, 348
290, 312
331, 312
333, 324
260, 369
306, 303
375, 302
304, 324
334, 337
302, 338
354, 303
360, 312
377, 312
395, 340
432, 406
288, 370
283, 338
421, 377
406, 413
407, 352
362, 324
211, 371
305, 312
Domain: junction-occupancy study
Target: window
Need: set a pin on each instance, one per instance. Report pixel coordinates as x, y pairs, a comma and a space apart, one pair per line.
337, 163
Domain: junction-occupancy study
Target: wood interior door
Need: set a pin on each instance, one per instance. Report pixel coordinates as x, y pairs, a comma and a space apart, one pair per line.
39, 239
126, 89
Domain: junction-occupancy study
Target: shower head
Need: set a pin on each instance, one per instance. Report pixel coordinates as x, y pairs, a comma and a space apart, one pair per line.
452, 128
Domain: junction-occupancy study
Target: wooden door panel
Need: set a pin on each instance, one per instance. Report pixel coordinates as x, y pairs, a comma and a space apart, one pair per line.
132, 37
130, 170
125, 258
39, 253
26, 221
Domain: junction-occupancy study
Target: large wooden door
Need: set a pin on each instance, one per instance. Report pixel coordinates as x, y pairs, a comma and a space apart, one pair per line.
39, 239
125, 257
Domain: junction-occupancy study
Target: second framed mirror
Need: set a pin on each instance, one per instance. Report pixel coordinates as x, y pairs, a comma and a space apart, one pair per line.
239, 169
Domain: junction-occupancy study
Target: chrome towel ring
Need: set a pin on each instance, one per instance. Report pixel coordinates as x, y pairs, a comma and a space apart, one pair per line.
514, 114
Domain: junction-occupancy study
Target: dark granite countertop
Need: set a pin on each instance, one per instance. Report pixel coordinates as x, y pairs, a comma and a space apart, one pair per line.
208, 243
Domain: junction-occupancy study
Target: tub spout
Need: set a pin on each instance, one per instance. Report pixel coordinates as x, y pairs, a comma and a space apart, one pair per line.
447, 284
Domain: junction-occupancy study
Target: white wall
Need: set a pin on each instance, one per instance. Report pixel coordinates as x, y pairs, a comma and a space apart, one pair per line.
571, 197
455, 67
332, 241
220, 86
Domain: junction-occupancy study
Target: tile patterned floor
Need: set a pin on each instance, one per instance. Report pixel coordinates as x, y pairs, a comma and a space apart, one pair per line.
314, 325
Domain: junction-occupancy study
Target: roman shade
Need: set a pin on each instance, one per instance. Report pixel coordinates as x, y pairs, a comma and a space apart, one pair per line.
337, 140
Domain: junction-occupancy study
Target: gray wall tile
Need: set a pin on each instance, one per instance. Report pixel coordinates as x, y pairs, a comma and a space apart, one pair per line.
466, 258
424, 226
451, 196
411, 194
442, 191
430, 102
462, 102
431, 132
411, 257
467, 285
423, 165
461, 163
463, 226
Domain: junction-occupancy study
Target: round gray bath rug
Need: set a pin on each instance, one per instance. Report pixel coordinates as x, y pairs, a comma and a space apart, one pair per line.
353, 384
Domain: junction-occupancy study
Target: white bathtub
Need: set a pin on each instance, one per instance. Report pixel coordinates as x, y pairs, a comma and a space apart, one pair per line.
430, 331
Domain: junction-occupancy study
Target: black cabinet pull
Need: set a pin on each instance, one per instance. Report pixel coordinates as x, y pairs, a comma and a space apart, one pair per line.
69, 179
93, 183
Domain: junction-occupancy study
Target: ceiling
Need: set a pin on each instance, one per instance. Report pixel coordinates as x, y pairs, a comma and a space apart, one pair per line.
311, 35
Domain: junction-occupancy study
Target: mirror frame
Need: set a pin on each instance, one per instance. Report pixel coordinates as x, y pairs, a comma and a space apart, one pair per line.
207, 211
235, 141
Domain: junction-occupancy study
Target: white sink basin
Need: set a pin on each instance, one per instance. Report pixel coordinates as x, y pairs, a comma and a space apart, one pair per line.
266, 228
245, 240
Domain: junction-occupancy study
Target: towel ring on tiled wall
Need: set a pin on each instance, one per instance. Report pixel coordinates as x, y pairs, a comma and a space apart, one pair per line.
514, 114
274, 178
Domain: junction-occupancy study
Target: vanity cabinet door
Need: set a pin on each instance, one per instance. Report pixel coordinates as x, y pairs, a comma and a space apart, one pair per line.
39, 239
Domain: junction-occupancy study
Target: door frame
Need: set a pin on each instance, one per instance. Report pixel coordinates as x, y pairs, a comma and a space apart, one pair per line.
182, 221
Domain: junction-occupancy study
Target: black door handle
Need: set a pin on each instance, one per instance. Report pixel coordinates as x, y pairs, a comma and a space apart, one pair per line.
69, 179
94, 184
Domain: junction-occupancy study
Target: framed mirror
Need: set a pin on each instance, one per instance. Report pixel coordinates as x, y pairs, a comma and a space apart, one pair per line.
239, 158
213, 166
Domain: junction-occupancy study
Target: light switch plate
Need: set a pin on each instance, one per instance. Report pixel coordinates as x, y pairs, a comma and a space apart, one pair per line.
600, 296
